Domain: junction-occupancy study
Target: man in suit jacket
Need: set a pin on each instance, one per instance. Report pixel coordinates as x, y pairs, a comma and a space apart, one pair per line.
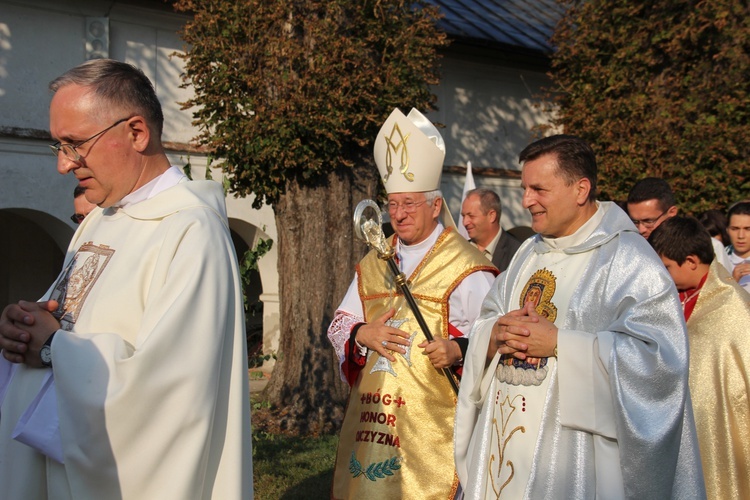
481, 217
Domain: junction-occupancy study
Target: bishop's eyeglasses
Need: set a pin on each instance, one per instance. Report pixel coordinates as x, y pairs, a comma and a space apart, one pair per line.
408, 207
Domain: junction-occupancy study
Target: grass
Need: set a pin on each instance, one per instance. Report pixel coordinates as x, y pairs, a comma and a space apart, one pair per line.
289, 467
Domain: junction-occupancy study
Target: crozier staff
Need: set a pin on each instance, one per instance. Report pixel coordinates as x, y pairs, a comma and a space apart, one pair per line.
372, 233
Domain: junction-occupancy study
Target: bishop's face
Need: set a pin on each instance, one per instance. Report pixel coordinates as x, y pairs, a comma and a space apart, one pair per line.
413, 217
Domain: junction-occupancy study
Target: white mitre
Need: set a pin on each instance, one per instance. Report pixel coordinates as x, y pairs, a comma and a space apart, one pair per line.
409, 152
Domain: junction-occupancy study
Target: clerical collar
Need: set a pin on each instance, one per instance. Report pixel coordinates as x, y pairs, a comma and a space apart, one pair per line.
171, 177
580, 236
409, 256
422, 245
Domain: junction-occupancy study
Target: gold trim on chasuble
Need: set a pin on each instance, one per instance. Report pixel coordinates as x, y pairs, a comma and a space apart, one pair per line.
397, 435
507, 407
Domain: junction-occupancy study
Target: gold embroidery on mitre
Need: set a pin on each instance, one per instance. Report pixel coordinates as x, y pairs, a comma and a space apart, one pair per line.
539, 290
398, 148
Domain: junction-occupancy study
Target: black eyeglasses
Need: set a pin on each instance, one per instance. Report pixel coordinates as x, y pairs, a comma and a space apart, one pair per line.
70, 150
649, 223
77, 218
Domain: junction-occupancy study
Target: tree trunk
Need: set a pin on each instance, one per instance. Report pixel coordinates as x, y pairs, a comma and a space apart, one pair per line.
317, 253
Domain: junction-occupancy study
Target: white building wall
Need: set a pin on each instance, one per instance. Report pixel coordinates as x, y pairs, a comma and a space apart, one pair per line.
42, 39
488, 112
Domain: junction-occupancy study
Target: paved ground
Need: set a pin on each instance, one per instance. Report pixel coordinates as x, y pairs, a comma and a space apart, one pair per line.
258, 380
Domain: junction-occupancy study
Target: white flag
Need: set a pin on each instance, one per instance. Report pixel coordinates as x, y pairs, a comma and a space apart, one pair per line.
468, 186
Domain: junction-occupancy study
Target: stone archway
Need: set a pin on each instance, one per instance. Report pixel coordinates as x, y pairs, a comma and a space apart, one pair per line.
262, 290
32, 253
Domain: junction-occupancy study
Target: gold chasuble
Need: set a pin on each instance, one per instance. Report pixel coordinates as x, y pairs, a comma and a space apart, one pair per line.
396, 441
719, 336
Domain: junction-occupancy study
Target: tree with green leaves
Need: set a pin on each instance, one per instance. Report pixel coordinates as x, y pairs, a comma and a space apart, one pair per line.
289, 95
659, 89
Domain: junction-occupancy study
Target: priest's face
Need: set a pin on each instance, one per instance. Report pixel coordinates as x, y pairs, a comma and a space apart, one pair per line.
413, 217
648, 215
107, 167
557, 208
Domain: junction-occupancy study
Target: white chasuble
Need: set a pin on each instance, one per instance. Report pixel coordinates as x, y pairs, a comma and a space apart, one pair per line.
546, 280
150, 362
614, 420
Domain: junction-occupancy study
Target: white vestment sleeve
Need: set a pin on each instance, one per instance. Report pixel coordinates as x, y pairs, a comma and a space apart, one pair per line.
348, 314
721, 255
466, 300
7, 369
586, 402
352, 303
339, 332
475, 385
39, 426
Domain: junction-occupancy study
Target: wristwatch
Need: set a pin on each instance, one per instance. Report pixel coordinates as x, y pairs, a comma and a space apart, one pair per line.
46, 352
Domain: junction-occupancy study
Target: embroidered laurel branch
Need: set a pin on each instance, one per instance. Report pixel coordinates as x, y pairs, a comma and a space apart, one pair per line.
374, 471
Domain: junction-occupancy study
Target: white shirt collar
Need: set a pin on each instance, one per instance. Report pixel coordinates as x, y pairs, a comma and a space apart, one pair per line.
171, 177
490, 249
580, 235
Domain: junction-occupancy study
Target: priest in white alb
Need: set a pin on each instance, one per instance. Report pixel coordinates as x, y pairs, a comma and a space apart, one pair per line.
576, 379
129, 379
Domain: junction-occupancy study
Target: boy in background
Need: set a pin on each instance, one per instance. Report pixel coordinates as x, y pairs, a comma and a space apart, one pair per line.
717, 312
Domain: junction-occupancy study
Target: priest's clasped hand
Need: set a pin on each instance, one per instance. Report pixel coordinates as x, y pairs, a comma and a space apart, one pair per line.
524, 334
24, 327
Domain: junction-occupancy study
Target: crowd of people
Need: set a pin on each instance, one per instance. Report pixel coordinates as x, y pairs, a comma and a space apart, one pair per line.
607, 356
651, 202
593, 369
